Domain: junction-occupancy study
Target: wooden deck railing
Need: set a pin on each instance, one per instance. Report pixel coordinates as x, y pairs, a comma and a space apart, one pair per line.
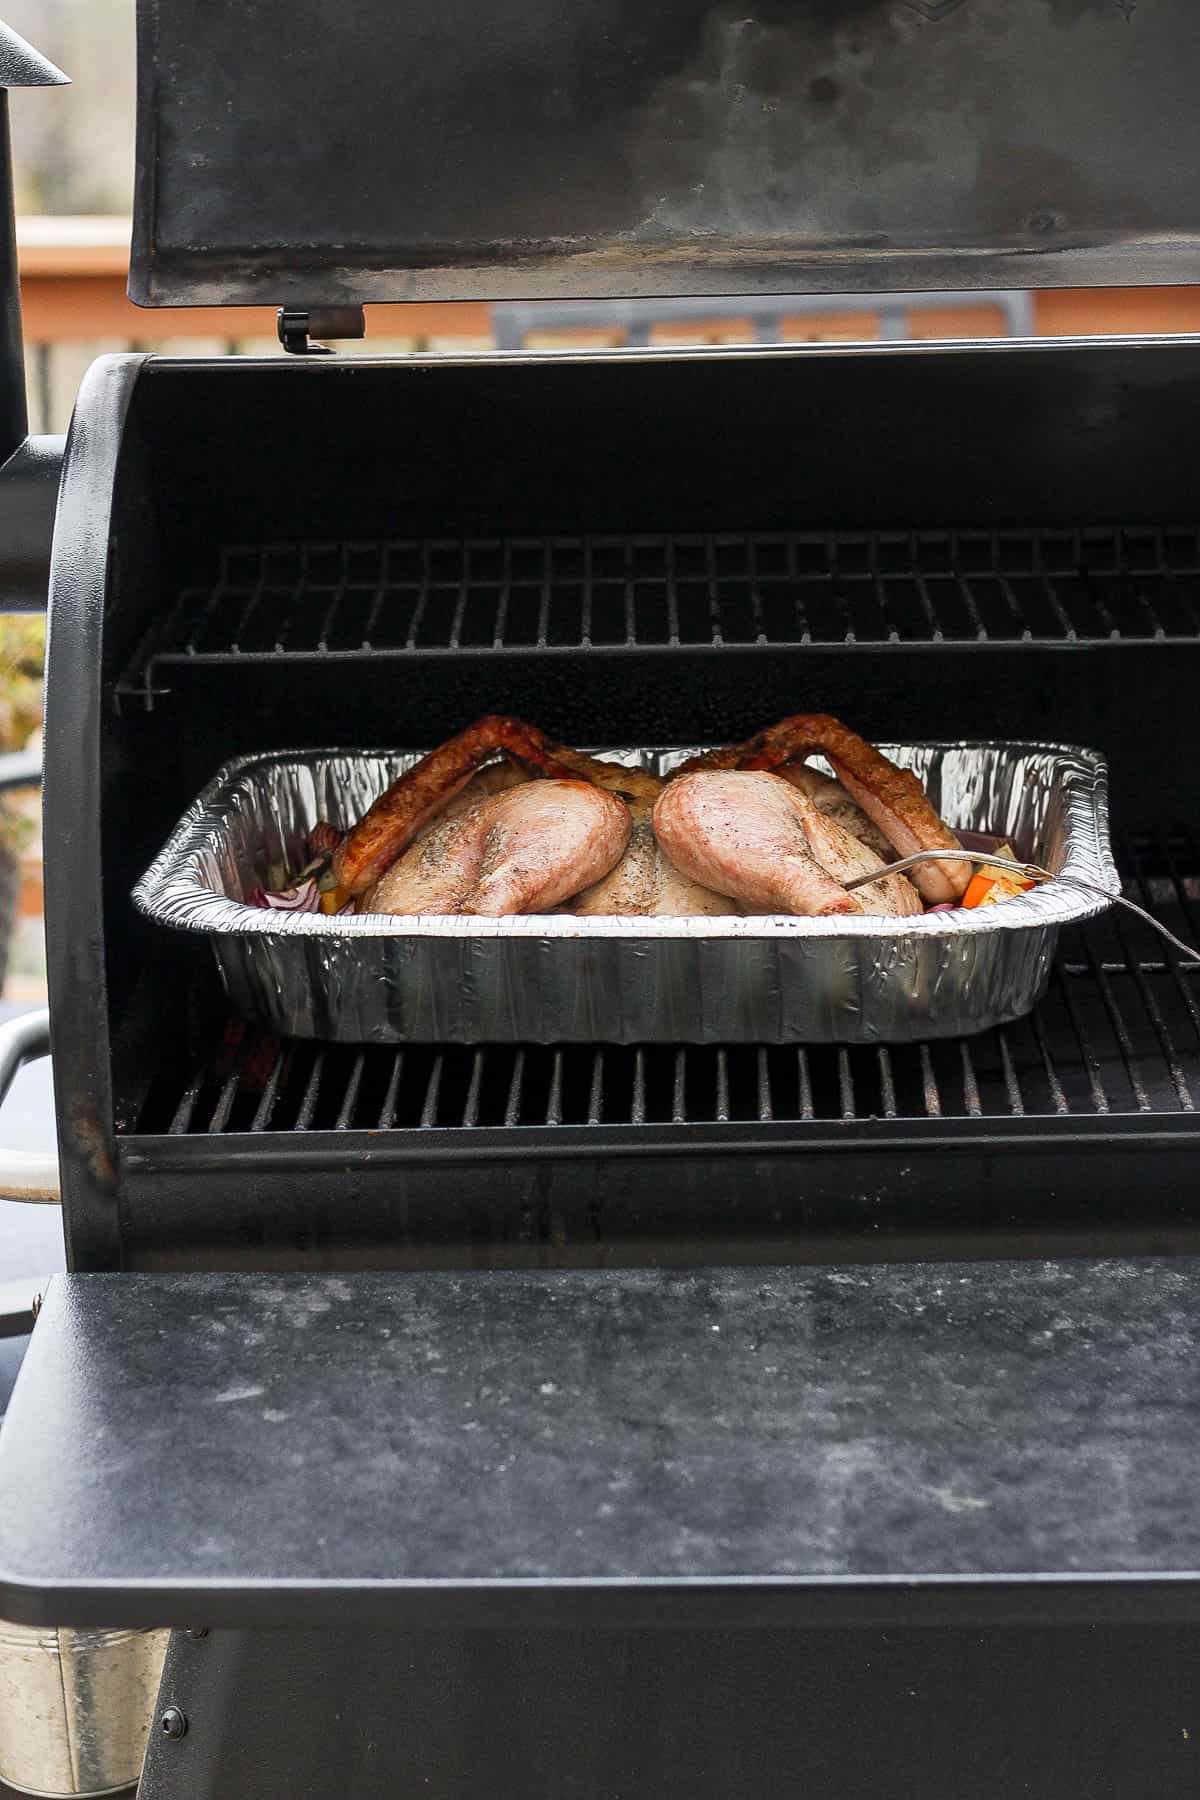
73, 273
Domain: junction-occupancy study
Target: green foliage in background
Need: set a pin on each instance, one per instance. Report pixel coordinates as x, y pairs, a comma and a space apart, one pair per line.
22, 656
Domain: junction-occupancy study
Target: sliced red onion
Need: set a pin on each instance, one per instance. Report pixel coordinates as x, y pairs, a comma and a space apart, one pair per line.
305, 898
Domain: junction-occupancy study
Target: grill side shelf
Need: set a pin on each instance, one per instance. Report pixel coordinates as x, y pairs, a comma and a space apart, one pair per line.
567, 1445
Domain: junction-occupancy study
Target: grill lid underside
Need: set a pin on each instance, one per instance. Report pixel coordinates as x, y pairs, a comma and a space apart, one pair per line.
310, 153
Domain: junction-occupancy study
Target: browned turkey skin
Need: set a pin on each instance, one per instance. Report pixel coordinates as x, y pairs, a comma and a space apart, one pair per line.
892, 798
639, 880
749, 827
765, 841
521, 849
422, 792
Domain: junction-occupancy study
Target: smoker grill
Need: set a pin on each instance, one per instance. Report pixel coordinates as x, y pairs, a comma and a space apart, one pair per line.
911, 627
591, 1419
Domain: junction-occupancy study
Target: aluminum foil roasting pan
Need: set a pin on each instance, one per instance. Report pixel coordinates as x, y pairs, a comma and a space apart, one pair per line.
560, 979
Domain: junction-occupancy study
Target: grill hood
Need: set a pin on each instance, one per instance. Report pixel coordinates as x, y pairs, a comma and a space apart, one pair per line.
308, 153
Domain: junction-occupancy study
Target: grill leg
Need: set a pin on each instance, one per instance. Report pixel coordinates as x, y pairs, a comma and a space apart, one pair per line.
1098, 1713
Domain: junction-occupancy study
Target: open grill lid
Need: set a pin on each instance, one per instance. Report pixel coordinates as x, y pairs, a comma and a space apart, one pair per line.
316, 153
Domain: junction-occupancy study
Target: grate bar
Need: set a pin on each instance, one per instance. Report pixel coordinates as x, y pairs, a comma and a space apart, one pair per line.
838, 590
433, 1091
585, 602
464, 590
502, 600
1158, 1023
1091, 1062
637, 1103
756, 606
806, 1090
326, 630
887, 1082
554, 1101
966, 593
181, 1120
1170, 963
270, 1094
596, 1094
936, 634
387, 1112
371, 623
308, 1104
765, 1113
1012, 1085
1049, 590
229, 1091
714, 602
1120, 1027
543, 623
474, 1088
723, 1106
350, 1098
512, 1109
679, 1093
672, 598
803, 632
414, 629
1057, 1092
880, 594
846, 1084
197, 624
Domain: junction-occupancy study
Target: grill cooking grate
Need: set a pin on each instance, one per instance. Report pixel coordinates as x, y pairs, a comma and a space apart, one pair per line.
1118, 1034
439, 596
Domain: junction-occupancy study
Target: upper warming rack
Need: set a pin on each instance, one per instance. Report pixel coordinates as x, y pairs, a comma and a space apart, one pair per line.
311, 602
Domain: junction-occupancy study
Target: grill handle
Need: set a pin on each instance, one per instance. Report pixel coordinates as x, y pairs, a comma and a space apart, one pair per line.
29, 467
26, 1174
28, 498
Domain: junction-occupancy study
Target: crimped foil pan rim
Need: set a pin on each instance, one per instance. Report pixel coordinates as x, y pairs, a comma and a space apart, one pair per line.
169, 893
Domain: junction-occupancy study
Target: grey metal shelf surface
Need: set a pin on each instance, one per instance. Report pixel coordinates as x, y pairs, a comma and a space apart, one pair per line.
970, 1440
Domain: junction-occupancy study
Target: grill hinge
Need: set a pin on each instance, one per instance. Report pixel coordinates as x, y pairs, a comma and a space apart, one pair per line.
300, 328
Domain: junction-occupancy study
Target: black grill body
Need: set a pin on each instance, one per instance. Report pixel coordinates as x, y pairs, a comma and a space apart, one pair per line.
975, 541
971, 1478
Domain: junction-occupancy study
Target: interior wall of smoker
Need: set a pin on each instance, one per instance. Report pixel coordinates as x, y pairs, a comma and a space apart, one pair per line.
254, 453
